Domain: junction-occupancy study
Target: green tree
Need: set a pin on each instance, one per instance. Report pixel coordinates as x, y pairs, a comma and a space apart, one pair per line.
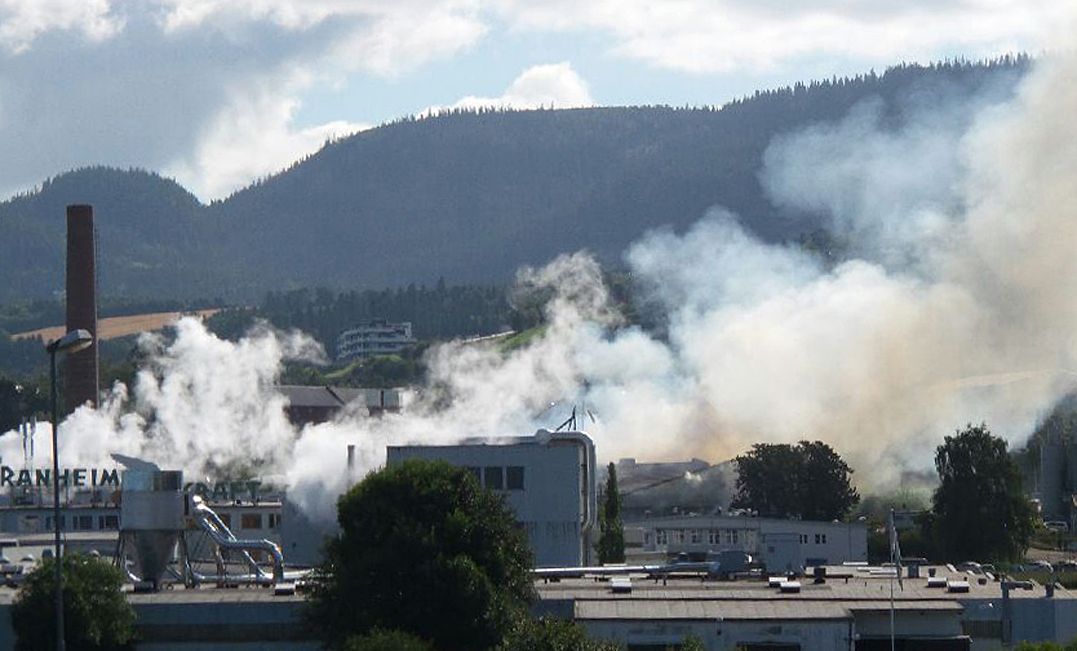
692, 643
386, 640
808, 480
980, 490
1047, 646
611, 541
96, 613
549, 634
423, 549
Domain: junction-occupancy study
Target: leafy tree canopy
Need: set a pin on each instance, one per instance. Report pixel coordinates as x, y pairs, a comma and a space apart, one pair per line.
385, 640
808, 480
423, 549
980, 491
96, 613
547, 634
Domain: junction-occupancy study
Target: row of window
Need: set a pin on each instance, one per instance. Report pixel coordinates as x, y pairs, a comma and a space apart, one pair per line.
112, 522
498, 478
251, 520
698, 536
820, 539
86, 522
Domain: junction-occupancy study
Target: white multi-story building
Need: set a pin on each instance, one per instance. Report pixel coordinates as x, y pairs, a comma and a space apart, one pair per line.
377, 337
547, 479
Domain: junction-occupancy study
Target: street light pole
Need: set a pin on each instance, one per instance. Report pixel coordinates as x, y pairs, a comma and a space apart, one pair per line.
73, 341
59, 578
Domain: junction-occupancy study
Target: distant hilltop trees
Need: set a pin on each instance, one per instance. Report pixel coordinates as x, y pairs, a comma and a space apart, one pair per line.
467, 195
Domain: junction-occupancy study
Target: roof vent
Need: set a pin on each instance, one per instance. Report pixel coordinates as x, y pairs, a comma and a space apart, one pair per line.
621, 585
959, 585
789, 587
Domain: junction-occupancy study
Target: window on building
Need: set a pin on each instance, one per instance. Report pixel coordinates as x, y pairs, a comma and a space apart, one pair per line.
824, 538
226, 518
816, 539
475, 471
250, 521
274, 520
83, 522
514, 478
697, 536
713, 537
679, 536
495, 477
661, 537
108, 522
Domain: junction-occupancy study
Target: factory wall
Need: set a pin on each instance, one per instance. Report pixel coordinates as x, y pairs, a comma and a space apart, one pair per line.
819, 543
549, 485
809, 635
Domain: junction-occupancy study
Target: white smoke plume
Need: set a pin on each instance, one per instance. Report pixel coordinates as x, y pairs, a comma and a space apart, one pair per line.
958, 305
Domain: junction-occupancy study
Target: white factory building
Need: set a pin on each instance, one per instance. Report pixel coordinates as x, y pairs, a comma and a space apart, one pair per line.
785, 545
547, 479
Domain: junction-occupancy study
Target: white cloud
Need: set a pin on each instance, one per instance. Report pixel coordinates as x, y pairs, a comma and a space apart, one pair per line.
253, 136
22, 21
705, 36
554, 85
210, 88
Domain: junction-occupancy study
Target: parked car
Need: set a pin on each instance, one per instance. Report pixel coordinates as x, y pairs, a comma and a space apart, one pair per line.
1066, 566
1040, 566
1057, 526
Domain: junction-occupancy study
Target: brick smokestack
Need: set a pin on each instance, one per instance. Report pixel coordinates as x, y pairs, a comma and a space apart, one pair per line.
80, 369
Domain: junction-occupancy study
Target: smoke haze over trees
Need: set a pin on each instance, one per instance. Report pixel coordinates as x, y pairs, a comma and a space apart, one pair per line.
468, 196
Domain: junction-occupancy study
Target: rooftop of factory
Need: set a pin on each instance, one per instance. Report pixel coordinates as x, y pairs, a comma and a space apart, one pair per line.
864, 586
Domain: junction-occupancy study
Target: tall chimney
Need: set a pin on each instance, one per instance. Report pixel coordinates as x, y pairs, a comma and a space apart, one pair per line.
80, 369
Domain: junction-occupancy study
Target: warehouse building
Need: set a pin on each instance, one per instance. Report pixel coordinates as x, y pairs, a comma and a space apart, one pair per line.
849, 608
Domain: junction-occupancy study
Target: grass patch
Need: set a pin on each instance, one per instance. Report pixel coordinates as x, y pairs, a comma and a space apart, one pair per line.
522, 339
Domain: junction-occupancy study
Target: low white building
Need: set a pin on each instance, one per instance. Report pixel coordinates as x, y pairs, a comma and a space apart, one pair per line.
547, 479
374, 338
780, 544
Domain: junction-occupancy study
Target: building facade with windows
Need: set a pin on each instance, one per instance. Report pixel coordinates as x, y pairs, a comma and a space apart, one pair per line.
547, 479
782, 542
374, 338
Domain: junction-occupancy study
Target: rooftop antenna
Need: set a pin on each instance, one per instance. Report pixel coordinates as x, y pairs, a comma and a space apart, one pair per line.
570, 423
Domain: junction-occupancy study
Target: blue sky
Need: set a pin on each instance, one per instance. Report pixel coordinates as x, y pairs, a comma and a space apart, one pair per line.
218, 92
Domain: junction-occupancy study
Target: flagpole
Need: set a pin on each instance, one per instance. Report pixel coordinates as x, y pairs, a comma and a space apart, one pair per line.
895, 559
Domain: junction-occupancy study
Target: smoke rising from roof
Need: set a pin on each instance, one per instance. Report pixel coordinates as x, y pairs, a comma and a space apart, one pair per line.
956, 304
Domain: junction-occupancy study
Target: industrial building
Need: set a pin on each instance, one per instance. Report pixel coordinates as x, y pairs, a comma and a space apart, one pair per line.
1058, 480
377, 337
318, 404
547, 479
787, 545
846, 607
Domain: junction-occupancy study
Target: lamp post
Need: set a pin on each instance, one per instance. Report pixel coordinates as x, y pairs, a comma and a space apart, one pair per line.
72, 342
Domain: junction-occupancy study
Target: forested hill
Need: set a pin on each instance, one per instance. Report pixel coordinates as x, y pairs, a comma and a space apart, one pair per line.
465, 196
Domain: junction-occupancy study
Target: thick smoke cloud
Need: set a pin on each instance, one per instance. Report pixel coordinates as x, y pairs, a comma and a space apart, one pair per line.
957, 305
